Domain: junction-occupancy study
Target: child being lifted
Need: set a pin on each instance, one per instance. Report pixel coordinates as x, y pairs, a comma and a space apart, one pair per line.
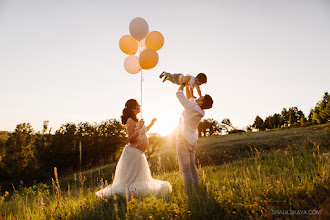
189, 80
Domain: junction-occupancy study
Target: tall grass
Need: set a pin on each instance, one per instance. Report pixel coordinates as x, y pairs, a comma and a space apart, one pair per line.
291, 177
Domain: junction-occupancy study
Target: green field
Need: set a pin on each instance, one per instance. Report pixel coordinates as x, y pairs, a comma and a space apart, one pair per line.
242, 176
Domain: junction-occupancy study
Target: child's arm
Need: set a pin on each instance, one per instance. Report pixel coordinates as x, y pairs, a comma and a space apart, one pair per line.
199, 91
151, 124
188, 92
191, 91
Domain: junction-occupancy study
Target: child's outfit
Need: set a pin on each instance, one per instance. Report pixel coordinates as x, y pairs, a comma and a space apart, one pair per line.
175, 78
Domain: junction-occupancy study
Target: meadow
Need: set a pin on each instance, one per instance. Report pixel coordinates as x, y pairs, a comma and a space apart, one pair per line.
253, 175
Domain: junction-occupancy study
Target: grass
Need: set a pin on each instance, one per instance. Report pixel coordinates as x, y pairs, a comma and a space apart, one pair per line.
242, 176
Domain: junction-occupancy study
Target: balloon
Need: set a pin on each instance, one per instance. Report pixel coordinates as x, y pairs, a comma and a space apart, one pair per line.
154, 40
128, 44
131, 64
142, 43
148, 59
138, 28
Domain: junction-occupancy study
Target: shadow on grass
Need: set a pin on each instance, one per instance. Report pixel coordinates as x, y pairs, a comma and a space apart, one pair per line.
202, 205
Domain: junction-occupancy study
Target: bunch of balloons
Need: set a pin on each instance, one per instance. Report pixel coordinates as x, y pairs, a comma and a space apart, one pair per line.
149, 43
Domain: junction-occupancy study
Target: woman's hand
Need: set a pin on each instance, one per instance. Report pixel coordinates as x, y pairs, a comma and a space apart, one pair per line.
153, 121
141, 123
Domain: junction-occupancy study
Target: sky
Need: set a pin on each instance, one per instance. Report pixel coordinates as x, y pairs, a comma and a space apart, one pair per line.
60, 60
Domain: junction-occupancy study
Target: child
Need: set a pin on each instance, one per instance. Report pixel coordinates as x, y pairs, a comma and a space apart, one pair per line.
192, 82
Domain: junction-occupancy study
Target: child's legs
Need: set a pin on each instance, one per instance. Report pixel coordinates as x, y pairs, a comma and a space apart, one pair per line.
174, 78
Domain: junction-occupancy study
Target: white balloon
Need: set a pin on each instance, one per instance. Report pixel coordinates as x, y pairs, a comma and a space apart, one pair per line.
131, 64
138, 28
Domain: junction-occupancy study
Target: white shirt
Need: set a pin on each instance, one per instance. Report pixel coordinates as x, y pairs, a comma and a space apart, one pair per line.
190, 118
192, 81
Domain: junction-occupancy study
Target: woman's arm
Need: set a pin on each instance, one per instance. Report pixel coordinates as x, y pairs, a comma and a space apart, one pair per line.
151, 124
133, 135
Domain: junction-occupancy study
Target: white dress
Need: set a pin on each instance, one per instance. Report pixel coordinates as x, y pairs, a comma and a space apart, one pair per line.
133, 175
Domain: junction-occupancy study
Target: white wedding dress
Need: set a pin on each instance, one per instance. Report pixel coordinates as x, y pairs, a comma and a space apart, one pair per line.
133, 175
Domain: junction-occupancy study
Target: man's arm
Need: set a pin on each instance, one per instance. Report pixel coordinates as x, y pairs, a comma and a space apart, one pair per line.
183, 100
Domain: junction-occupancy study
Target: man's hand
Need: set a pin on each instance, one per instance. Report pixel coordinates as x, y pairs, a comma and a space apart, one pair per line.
182, 86
186, 79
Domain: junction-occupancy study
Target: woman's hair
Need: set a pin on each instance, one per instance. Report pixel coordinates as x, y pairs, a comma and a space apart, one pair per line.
128, 111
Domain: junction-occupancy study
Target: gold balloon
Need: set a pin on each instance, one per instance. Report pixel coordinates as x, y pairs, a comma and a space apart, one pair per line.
148, 59
128, 44
154, 40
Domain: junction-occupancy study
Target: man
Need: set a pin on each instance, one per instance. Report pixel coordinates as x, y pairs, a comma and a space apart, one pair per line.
188, 135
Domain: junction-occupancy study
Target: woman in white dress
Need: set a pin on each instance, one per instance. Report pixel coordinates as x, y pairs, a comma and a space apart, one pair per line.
132, 173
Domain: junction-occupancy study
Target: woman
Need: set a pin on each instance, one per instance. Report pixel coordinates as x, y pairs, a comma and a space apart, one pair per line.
132, 173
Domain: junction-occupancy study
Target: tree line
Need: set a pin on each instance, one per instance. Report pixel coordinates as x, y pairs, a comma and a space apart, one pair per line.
293, 117
28, 155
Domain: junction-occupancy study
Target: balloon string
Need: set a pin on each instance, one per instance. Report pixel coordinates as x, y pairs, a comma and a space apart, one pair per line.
141, 93
141, 82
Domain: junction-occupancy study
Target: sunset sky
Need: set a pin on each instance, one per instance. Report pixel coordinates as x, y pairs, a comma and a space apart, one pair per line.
60, 60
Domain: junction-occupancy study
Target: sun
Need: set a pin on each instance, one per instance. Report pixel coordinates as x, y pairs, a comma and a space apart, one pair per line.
167, 121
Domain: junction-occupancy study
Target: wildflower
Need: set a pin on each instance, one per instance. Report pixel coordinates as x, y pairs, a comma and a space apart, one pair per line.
41, 204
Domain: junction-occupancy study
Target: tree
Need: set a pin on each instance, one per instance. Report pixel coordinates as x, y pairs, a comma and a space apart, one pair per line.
310, 115
154, 142
113, 136
258, 123
249, 128
302, 118
19, 158
321, 112
293, 116
267, 123
209, 127
284, 117
43, 152
2, 156
276, 118
228, 125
